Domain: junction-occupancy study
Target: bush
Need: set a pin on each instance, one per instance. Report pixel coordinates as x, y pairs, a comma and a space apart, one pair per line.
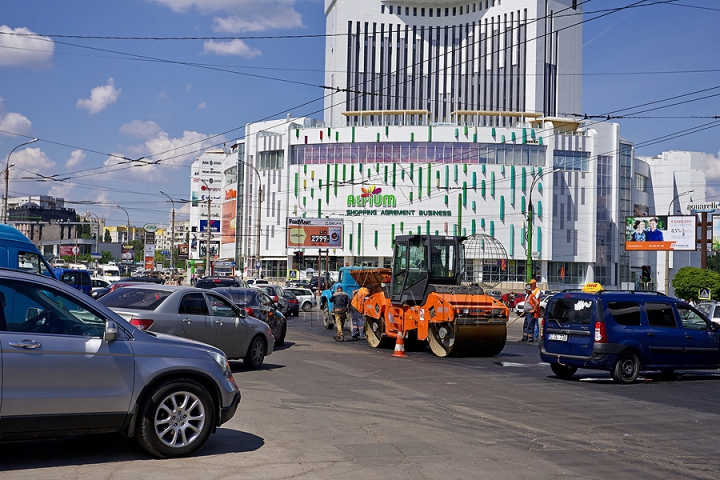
689, 280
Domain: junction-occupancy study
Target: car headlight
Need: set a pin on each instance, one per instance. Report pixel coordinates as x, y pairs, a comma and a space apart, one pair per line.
224, 365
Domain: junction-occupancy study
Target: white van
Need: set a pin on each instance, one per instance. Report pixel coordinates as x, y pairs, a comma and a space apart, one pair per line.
109, 273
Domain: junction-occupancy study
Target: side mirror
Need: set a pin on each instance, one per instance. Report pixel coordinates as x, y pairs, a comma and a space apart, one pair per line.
111, 331
714, 326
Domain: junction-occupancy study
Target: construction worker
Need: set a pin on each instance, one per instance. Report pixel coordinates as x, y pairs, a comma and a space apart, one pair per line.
341, 302
536, 294
356, 309
531, 305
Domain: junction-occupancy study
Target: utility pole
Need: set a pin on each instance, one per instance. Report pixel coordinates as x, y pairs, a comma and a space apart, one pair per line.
7, 179
208, 229
529, 268
667, 252
172, 231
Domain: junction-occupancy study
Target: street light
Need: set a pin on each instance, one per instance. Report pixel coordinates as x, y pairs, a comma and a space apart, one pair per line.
128, 223
529, 273
7, 178
259, 212
172, 231
88, 214
667, 252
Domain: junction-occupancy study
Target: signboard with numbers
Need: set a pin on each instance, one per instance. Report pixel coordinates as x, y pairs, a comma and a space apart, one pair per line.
314, 232
661, 233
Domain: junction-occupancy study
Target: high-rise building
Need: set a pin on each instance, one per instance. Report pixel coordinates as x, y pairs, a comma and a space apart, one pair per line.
442, 57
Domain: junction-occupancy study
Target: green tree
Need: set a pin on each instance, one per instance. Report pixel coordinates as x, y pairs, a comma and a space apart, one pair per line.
713, 263
106, 256
688, 281
108, 237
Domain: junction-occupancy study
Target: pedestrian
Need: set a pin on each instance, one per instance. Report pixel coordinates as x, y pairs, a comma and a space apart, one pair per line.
340, 301
536, 294
356, 309
193, 279
529, 307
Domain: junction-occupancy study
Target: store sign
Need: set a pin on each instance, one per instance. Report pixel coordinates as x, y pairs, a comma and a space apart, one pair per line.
372, 197
150, 227
382, 204
314, 233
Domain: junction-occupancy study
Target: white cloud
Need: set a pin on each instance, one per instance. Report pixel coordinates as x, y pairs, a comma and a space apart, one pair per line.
76, 158
31, 160
202, 105
19, 50
13, 122
140, 129
100, 98
233, 47
172, 153
243, 15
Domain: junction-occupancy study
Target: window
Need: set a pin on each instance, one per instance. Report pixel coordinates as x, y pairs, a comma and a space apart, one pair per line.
136, 299
31, 262
660, 315
575, 311
193, 304
641, 182
27, 307
625, 313
221, 307
691, 319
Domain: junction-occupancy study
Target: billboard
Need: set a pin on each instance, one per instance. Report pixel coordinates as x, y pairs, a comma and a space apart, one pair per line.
69, 250
227, 227
214, 225
127, 257
314, 232
716, 233
661, 233
183, 251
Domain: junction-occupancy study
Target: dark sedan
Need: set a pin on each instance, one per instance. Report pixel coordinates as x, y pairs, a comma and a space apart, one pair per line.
293, 303
258, 304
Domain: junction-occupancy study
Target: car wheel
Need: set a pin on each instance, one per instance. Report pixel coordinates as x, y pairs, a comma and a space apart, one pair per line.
307, 306
176, 419
328, 319
256, 354
563, 371
626, 368
281, 340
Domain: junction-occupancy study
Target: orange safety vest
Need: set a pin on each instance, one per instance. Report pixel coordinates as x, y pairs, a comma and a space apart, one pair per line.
535, 304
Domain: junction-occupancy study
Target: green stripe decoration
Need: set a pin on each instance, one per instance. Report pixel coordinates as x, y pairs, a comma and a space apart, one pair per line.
474, 180
522, 179
392, 233
297, 133
412, 171
459, 217
502, 207
455, 173
350, 241
305, 169
319, 208
447, 177
394, 174
472, 227
412, 136
385, 176
427, 227
522, 236
327, 173
482, 188
429, 133
492, 228
312, 193
344, 172
512, 240
464, 194
378, 137
359, 237
474, 206
539, 209
352, 173
492, 184
376, 238
539, 240
419, 231
429, 178
522, 204
420, 180
297, 184
402, 227
353, 135
512, 185
482, 223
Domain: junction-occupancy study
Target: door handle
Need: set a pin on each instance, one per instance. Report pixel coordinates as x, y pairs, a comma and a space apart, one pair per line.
689, 337
186, 321
651, 334
218, 322
26, 344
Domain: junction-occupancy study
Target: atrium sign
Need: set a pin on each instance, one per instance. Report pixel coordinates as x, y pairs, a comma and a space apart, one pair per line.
371, 198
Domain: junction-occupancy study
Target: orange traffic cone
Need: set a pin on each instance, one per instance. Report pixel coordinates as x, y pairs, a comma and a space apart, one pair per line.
399, 346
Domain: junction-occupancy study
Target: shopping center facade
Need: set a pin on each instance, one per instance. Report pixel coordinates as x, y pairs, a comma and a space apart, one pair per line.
450, 166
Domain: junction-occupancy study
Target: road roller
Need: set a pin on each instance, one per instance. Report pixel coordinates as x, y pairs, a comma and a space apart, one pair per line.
422, 298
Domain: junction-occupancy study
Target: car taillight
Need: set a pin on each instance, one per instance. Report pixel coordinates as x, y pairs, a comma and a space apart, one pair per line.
600, 336
275, 298
541, 327
141, 323
250, 311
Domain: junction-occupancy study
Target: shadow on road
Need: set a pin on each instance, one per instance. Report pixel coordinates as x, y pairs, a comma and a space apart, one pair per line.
108, 448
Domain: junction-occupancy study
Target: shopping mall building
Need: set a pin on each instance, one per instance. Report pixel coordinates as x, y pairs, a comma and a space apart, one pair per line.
448, 118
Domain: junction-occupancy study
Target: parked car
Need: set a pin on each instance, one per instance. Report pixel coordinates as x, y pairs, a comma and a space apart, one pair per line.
93, 372
325, 283
520, 305
275, 292
98, 283
259, 305
78, 279
711, 309
305, 296
298, 284
146, 279
511, 299
293, 303
100, 292
201, 315
625, 333
216, 282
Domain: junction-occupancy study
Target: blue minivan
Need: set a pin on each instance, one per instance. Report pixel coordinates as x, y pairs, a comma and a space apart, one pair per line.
78, 279
17, 252
625, 333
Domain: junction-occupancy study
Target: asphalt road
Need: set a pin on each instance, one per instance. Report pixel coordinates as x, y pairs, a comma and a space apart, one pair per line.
320, 409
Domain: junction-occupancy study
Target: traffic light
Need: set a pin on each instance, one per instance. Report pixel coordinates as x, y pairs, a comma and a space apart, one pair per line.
646, 273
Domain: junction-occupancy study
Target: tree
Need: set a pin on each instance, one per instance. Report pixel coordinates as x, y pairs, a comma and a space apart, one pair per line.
713, 263
689, 280
106, 256
108, 237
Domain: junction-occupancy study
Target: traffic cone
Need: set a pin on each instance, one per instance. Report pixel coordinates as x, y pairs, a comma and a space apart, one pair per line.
399, 346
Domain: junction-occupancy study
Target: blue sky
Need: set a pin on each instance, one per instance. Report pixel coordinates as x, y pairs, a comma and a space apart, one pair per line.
93, 101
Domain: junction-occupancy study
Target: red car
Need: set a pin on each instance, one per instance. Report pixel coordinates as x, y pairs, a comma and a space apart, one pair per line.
510, 299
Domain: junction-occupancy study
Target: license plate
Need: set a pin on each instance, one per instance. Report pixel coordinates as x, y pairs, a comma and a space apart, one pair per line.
558, 337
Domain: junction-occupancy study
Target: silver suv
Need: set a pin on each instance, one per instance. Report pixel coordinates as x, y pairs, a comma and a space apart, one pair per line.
70, 365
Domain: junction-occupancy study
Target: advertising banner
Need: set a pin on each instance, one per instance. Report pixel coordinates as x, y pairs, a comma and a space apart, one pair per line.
716, 233
127, 257
214, 225
660, 233
183, 251
69, 250
314, 232
229, 211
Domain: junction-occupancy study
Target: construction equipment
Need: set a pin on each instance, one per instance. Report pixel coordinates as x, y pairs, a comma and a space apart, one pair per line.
422, 298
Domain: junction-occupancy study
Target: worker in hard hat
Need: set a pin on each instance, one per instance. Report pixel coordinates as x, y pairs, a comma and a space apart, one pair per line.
341, 302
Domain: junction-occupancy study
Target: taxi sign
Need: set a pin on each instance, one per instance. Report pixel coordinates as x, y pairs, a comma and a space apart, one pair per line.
592, 287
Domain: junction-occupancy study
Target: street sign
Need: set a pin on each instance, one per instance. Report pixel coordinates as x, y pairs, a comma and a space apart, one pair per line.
95, 256
150, 227
704, 294
258, 265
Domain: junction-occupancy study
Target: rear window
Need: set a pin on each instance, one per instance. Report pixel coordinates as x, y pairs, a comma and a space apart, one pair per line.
576, 311
136, 299
625, 313
243, 297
